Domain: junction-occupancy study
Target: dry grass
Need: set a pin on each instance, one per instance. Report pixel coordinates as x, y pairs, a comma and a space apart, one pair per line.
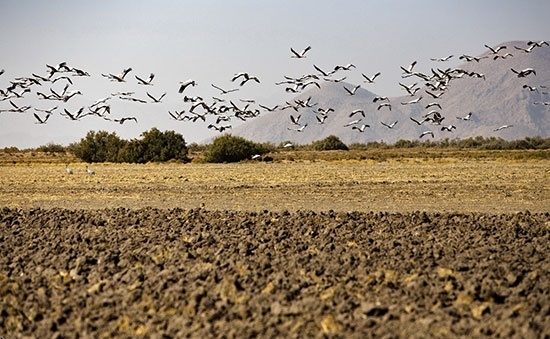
400, 185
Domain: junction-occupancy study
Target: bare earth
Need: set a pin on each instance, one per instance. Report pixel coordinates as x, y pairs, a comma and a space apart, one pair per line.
392, 186
347, 249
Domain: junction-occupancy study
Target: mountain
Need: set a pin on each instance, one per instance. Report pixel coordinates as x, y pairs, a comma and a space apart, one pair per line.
495, 98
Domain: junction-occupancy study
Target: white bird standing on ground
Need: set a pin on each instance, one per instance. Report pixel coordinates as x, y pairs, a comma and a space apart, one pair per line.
89, 171
68, 169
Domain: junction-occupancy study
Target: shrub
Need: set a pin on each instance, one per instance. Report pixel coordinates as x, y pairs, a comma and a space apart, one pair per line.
330, 143
98, 147
228, 148
51, 148
154, 145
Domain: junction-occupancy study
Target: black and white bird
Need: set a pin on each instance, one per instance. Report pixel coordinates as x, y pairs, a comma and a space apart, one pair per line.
360, 129
495, 50
223, 91
384, 104
466, 117
354, 122
380, 98
300, 55
147, 82
123, 120
448, 128
409, 69
390, 126
357, 111
502, 127
442, 59
185, 84
433, 104
426, 133
353, 90
323, 73
371, 79
343, 67
156, 100
118, 78
300, 129
41, 120
412, 101
531, 88
68, 169
90, 171
246, 77
295, 120
524, 72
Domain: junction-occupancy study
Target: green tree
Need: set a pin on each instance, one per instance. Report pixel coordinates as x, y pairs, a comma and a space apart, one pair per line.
330, 143
98, 147
228, 148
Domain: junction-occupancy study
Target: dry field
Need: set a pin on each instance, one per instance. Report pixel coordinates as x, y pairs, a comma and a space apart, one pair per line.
462, 185
410, 248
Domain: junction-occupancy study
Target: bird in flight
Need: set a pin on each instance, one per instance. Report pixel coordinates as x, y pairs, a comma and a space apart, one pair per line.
390, 126
371, 79
426, 133
384, 104
300, 55
442, 59
223, 91
360, 129
467, 117
495, 50
502, 127
41, 120
357, 111
524, 72
448, 128
246, 78
119, 78
185, 84
156, 100
147, 82
301, 129
353, 90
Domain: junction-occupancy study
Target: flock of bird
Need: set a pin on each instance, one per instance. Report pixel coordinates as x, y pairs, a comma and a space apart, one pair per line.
218, 111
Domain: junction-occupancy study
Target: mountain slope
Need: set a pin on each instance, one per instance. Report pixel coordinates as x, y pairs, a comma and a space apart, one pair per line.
498, 99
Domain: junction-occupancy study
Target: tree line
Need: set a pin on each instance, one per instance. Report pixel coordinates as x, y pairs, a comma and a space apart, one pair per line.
156, 146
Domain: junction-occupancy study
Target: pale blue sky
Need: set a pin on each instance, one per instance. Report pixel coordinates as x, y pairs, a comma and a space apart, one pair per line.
210, 41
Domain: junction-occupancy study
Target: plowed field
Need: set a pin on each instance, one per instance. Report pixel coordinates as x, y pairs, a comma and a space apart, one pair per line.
363, 249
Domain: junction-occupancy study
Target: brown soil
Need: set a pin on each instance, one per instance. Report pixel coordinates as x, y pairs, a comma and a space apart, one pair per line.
172, 273
204, 250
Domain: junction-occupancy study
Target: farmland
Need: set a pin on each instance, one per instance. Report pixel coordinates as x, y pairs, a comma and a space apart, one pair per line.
435, 244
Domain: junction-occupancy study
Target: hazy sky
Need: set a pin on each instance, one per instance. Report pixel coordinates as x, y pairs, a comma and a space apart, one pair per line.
210, 41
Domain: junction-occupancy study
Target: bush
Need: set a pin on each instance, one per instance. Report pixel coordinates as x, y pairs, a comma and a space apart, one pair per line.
330, 143
228, 148
154, 145
51, 148
98, 147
